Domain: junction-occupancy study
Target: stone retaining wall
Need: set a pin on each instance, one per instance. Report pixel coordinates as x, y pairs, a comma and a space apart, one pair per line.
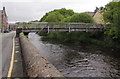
35, 64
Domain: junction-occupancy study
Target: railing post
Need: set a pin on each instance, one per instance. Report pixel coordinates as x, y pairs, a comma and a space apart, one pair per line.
48, 29
69, 28
86, 29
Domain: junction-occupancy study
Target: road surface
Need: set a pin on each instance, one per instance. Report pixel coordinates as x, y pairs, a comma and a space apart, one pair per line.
0, 55
6, 51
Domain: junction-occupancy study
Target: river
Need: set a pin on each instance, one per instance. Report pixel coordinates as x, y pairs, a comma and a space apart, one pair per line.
78, 61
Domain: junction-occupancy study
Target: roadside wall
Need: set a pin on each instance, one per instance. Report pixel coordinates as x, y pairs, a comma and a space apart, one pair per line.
35, 64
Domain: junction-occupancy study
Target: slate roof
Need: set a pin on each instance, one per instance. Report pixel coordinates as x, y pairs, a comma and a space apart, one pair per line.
91, 13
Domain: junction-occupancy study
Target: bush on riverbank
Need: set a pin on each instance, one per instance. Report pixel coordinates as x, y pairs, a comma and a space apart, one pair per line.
97, 38
72, 37
112, 31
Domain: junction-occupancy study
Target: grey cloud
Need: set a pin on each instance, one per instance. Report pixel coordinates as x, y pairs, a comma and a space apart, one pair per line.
27, 10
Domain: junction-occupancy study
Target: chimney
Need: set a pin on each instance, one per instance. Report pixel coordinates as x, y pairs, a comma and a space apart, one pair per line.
4, 8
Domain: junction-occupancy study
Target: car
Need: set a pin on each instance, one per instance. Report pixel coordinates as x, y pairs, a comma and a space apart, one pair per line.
6, 31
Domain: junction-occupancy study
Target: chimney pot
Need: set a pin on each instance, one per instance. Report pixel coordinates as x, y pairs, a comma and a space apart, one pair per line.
3, 8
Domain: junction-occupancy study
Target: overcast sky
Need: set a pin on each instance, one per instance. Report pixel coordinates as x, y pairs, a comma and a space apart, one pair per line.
28, 10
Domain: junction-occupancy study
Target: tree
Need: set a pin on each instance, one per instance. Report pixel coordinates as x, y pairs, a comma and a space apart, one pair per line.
58, 14
110, 10
54, 17
66, 19
34, 21
112, 15
66, 13
81, 17
44, 17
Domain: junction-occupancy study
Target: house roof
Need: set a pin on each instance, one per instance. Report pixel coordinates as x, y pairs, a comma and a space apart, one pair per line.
91, 13
3, 11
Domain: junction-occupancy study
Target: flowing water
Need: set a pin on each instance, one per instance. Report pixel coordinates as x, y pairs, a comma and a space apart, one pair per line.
78, 61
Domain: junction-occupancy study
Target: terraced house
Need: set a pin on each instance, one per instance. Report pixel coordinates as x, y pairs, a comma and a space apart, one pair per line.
3, 20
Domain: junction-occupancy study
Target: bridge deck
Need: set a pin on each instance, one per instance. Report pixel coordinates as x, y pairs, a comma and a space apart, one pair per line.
63, 27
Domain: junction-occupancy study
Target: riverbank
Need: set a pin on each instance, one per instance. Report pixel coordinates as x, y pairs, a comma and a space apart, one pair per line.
84, 60
81, 38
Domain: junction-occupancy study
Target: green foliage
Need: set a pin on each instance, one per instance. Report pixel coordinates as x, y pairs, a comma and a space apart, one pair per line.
34, 21
112, 15
44, 17
110, 38
81, 17
70, 37
111, 10
66, 19
56, 15
64, 15
111, 32
42, 33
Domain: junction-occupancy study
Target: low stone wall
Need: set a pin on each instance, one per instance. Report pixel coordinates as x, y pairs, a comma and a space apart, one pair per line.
35, 64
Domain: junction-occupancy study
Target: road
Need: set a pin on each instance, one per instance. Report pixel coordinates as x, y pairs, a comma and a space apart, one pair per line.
6, 51
0, 55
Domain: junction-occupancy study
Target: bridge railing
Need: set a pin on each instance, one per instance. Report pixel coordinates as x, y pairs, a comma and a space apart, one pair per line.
65, 25
53, 26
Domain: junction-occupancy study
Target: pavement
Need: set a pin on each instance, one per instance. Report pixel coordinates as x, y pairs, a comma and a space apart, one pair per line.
18, 70
6, 47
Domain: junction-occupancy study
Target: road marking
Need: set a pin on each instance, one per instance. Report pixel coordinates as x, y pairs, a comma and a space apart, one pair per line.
12, 60
16, 51
16, 61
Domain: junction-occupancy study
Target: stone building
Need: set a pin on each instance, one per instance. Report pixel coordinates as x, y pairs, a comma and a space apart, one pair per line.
12, 26
3, 20
97, 16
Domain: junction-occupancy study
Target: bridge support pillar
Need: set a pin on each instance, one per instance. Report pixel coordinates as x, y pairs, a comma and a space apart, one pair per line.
26, 33
18, 31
